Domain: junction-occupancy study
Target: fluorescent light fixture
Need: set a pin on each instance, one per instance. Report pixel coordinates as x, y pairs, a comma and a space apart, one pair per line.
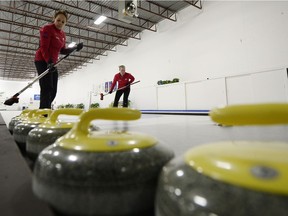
100, 20
72, 44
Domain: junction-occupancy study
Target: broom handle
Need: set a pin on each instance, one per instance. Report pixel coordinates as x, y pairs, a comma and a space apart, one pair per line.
128, 85
42, 74
124, 87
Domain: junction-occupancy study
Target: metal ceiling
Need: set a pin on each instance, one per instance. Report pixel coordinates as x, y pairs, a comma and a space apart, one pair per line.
21, 20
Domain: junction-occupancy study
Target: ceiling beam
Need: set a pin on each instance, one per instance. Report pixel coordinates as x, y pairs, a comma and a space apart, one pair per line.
112, 14
157, 9
111, 30
195, 3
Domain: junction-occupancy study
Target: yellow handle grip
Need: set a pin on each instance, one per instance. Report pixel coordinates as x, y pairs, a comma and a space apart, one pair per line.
41, 112
251, 114
31, 113
124, 114
25, 112
67, 111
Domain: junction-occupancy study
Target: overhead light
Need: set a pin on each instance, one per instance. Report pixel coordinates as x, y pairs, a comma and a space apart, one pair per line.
127, 10
131, 9
100, 20
72, 44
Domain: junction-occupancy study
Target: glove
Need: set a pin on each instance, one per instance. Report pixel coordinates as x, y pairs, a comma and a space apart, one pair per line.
79, 46
110, 92
51, 67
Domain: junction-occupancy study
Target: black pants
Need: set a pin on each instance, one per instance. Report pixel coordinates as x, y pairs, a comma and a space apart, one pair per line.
48, 85
119, 93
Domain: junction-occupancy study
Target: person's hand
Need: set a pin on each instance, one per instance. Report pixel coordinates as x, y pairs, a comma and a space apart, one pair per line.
51, 67
79, 46
110, 92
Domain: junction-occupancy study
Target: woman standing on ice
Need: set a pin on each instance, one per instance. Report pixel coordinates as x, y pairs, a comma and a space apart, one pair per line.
52, 42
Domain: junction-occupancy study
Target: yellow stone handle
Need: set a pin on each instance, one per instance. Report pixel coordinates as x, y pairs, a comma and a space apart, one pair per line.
25, 112
67, 111
41, 112
122, 114
31, 113
251, 114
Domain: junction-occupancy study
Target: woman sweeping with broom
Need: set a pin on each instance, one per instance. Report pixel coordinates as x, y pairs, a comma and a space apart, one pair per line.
52, 42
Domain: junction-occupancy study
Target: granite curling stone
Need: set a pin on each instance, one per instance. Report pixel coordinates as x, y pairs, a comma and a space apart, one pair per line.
17, 119
21, 130
227, 178
105, 173
30, 115
48, 132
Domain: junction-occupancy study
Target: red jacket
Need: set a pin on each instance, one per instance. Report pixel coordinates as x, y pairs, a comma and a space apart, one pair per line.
52, 40
124, 80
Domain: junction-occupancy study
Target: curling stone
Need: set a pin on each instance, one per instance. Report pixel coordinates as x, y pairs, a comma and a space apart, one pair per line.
21, 130
48, 132
100, 173
251, 114
226, 178
17, 119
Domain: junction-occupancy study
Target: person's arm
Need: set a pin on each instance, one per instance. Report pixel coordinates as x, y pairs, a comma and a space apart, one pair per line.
66, 51
131, 78
45, 39
113, 84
